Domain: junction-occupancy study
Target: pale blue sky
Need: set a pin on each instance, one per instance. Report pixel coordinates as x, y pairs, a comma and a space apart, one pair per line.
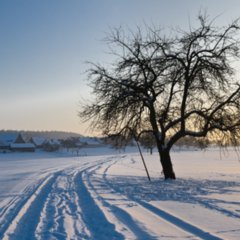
44, 45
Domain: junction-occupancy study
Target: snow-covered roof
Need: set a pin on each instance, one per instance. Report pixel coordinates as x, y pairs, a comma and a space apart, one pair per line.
19, 139
38, 141
7, 138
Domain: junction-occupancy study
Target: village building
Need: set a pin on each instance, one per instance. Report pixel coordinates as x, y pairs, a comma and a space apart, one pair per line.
37, 141
4, 146
5, 141
20, 145
51, 145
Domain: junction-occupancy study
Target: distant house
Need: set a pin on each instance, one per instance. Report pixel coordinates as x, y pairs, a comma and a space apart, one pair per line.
90, 142
4, 146
19, 145
51, 145
5, 141
37, 141
22, 147
19, 139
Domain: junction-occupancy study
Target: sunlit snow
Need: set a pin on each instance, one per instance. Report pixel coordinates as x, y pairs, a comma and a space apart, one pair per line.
105, 194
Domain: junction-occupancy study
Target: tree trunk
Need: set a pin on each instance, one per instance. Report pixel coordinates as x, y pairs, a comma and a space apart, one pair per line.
164, 153
167, 164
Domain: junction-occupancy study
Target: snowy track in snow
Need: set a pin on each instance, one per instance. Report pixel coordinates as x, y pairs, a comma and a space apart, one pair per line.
180, 229
45, 210
85, 199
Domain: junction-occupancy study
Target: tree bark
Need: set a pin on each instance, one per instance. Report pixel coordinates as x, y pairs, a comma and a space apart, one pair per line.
167, 164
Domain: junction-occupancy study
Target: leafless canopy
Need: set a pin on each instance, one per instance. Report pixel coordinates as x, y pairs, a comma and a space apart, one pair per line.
171, 86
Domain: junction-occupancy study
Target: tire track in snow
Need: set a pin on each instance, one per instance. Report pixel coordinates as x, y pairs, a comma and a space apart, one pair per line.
24, 224
171, 219
93, 216
61, 211
11, 211
124, 217
50, 209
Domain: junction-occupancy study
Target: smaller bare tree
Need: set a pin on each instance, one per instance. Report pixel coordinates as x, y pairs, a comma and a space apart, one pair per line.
147, 141
172, 87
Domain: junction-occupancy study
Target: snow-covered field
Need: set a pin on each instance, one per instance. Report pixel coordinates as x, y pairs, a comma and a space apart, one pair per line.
106, 195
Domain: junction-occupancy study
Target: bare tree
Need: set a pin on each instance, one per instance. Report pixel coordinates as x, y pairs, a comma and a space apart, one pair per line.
170, 86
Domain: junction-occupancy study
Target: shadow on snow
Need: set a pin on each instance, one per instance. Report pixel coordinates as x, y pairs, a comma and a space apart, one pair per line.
181, 190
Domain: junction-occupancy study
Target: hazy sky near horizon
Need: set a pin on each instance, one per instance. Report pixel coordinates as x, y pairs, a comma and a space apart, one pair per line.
44, 46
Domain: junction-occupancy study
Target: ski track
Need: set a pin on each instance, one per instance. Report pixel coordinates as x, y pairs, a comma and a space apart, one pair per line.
46, 209
73, 199
120, 215
171, 219
57, 202
139, 231
14, 206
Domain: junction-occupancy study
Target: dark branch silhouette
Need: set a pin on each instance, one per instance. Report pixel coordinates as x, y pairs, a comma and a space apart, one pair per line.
171, 87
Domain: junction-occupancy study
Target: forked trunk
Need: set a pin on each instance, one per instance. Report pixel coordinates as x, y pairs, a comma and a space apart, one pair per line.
164, 153
167, 164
